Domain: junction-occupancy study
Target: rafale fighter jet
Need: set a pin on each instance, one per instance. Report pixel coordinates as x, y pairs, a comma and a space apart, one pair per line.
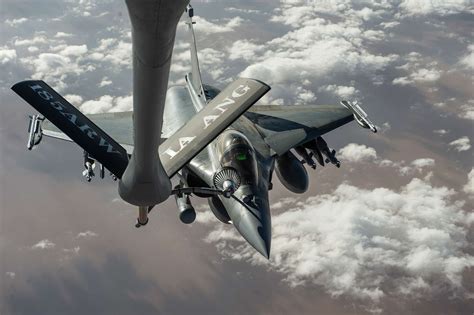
209, 140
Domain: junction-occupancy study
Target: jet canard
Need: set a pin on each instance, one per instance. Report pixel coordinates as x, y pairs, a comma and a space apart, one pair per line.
212, 143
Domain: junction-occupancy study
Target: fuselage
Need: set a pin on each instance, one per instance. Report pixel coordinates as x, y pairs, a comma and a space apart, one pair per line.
241, 147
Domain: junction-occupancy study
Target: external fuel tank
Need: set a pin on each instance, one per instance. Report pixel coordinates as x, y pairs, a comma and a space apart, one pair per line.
292, 173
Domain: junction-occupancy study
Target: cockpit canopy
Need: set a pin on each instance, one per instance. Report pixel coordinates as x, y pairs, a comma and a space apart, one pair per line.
235, 151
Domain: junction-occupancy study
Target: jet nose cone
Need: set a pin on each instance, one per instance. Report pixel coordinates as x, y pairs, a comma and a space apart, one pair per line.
257, 232
253, 222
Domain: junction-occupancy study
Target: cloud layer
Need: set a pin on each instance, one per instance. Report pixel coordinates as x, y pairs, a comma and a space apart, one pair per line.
367, 244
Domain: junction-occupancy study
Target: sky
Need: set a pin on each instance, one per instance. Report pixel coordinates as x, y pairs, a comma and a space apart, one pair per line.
390, 232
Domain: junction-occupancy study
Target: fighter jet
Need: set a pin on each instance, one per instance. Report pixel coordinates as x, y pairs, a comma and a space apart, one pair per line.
209, 141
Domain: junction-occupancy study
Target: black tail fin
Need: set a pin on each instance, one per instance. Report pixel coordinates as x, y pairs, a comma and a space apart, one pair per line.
74, 124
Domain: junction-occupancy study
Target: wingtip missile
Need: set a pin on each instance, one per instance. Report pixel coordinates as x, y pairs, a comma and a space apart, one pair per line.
360, 115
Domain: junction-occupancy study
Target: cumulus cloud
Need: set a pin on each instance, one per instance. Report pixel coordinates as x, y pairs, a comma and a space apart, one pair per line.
461, 144
421, 163
344, 92
405, 168
467, 110
420, 70
367, 243
101, 105
37, 39
56, 68
441, 131
62, 35
74, 50
86, 234
422, 75
206, 27
33, 49
15, 22
111, 50
108, 104
44, 244
74, 99
105, 81
360, 153
206, 217
356, 153
468, 60
469, 187
7, 55
435, 7
391, 24
315, 50
243, 49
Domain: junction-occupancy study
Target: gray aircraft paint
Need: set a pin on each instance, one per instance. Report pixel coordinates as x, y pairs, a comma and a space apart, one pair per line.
271, 131
154, 22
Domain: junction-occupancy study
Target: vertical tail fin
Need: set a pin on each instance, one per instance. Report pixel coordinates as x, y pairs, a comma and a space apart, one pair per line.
195, 76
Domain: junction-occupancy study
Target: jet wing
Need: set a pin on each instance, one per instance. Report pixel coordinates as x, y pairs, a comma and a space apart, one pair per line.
111, 142
207, 124
74, 124
284, 127
117, 125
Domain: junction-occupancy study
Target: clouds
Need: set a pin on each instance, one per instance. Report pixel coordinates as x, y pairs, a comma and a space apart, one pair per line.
360, 153
44, 244
316, 49
434, 7
37, 39
244, 49
105, 82
345, 92
468, 59
354, 152
420, 75
53, 68
86, 235
74, 99
420, 70
424, 162
367, 244
461, 144
206, 27
74, 50
469, 187
467, 110
116, 52
15, 22
351, 241
108, 104
7, 55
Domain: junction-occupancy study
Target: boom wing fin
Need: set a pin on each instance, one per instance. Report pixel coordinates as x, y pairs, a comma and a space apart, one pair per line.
195, 76
207, 124
74, 124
